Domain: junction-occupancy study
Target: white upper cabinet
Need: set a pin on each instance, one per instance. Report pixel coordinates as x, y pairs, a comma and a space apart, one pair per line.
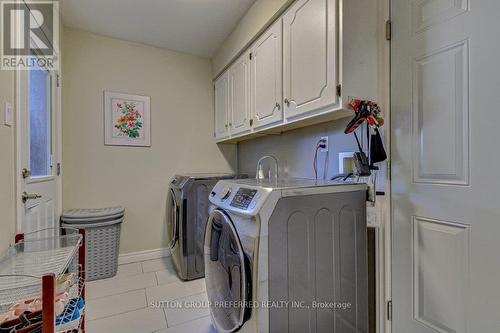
303, 68
239, 95
310, 57
266, 78
222, 107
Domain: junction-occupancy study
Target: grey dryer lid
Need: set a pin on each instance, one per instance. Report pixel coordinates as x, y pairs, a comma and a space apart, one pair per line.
291, 183
92, 213
179, 181
211, 176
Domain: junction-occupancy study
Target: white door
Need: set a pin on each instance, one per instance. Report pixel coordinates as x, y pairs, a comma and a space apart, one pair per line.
266, 78
38, 197
445, 156
239, 95
221, 106
310, 56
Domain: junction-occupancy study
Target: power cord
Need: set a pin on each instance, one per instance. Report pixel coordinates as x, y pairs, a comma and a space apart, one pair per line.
320, 145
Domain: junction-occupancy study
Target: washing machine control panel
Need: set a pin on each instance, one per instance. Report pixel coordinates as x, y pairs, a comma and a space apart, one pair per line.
238, 198
243, 198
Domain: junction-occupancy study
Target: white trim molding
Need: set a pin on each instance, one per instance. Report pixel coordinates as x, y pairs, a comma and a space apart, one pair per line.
128, 258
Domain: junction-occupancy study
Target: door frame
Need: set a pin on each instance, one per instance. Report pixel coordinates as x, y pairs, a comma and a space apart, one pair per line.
383, 242
21, 96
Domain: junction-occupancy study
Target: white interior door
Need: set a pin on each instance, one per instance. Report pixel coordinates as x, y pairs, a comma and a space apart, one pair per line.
267, 78
39, 194
446, 221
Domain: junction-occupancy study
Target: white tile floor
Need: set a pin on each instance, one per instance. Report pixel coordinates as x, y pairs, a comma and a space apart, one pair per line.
131, 301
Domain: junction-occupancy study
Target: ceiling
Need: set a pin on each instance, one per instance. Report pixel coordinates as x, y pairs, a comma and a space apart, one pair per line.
197, 27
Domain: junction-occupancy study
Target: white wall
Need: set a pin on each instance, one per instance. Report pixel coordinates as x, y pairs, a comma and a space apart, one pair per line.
181, 93
7, 162
295, 151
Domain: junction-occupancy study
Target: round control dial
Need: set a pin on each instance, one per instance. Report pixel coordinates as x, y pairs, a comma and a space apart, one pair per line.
225, 193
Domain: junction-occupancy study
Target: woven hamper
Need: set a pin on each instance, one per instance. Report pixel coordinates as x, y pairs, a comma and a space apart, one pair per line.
102, 243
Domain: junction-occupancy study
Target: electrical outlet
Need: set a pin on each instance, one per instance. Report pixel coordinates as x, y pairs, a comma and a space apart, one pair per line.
324, 140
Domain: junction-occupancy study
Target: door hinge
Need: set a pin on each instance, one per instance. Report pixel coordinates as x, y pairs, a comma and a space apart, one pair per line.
58, 171
389, 310
58, 80
250, 55
388, 30
339, 90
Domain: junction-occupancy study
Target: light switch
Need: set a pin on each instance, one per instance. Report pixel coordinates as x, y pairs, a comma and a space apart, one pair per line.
8, 114
346, 163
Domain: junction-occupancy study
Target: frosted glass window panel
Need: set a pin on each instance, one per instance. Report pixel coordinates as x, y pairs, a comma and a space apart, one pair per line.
40, 121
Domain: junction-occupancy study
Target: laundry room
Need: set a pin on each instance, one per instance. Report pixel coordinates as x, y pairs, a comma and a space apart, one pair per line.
255, 166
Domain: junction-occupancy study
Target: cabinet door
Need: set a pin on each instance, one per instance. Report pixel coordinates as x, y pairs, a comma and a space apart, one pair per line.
239, 95
222, 106
266, 78
310, 57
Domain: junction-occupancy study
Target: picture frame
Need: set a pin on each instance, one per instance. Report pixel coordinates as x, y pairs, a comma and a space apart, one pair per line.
127, 120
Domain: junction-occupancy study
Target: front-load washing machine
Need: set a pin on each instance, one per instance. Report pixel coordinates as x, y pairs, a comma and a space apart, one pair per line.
188, 214
287, 256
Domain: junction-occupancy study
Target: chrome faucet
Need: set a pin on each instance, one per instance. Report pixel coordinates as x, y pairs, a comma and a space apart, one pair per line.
276, 167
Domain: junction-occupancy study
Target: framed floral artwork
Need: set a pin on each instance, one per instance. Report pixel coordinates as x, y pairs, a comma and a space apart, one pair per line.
127, 120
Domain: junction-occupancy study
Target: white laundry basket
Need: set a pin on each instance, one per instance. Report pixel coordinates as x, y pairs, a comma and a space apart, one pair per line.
102, 238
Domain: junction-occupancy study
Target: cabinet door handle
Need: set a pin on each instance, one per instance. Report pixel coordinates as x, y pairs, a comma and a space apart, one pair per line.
278, 106
251, 122
287, 102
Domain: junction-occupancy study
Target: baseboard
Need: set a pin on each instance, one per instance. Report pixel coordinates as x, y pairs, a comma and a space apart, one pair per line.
127, 258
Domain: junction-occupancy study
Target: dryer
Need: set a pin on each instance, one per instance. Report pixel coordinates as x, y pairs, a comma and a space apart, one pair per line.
186, 220
287, 256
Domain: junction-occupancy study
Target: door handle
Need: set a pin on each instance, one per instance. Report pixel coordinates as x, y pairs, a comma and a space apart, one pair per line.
287, 102
30, 196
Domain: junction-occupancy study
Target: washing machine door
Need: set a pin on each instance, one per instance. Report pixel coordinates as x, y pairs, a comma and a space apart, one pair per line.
225, 273
173, 221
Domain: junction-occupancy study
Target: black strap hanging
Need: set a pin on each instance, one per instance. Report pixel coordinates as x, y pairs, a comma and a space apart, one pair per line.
359, 144
377, 150
368, 140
